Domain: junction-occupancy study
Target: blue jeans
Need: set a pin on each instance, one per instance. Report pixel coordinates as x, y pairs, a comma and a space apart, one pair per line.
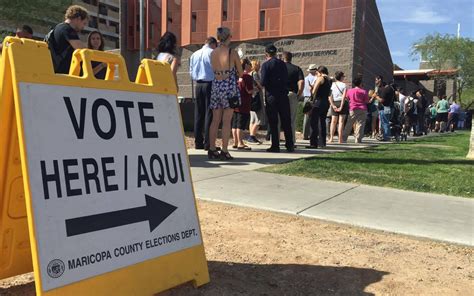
385, 114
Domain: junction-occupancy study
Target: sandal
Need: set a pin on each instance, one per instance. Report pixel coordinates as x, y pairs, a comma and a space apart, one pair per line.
235, 147
225, 155
213, 154
245, 147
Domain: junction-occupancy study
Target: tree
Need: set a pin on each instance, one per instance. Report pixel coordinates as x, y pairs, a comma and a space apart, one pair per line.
448, 51
33, 12
442, 51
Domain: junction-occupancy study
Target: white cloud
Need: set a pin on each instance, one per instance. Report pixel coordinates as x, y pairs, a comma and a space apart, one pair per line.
413, 12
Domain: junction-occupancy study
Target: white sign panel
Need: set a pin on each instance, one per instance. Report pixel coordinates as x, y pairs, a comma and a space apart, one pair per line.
109, 179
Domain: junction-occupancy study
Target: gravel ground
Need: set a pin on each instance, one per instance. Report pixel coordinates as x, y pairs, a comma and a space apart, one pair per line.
253, 252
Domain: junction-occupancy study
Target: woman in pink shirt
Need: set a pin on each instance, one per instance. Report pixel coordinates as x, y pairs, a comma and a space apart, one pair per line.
358, 99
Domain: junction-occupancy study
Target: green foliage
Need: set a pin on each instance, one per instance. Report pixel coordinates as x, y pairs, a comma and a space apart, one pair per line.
433, 164
42, 12
448, 51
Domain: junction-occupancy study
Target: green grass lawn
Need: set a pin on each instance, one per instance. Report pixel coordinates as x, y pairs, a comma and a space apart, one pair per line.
432, 164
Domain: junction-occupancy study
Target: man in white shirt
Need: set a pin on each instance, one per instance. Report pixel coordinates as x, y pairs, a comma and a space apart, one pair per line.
201, 72
308, 84
401, 99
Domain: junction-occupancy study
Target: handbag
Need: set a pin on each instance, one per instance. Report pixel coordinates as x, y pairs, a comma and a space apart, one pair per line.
307, 107
234, 100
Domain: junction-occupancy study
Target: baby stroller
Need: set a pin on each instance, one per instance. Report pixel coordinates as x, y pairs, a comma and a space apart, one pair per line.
396, 123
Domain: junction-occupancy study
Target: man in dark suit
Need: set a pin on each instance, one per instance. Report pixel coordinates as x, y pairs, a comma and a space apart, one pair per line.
274, 77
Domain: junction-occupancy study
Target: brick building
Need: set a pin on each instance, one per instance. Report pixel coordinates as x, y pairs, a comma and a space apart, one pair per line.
344, 35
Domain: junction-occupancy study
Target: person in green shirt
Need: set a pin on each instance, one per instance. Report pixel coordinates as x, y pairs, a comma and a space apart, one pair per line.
442, 108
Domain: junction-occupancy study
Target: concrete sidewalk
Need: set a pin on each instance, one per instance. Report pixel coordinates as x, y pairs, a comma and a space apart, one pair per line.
438, 217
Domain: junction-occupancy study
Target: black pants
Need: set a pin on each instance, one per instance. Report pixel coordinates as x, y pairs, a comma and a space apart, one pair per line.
421, 122
318, 120
453, 119
279, 105
202, 114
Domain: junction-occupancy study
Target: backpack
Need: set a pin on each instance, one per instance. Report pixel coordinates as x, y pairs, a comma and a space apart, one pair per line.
55, 57
410, 106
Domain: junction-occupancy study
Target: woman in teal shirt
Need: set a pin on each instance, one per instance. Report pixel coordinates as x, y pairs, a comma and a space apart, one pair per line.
442, 108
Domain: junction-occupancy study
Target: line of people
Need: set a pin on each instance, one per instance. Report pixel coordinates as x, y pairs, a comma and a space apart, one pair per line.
241, 95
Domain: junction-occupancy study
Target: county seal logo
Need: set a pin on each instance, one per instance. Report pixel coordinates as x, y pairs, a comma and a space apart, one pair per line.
56, 268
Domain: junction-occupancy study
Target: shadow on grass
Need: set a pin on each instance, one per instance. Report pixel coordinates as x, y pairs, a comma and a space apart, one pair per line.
282, 279
394, 161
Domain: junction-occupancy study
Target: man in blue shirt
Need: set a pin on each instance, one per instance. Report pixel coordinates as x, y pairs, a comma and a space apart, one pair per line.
275, 80
201, 72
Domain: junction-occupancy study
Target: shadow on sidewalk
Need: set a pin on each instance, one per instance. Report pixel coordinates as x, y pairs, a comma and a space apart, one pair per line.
260, 156
203, 162
282, 279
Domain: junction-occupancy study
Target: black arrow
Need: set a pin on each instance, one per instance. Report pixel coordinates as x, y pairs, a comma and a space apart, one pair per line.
155, 211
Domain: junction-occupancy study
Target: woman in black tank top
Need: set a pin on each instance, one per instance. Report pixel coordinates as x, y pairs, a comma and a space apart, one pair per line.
320, 92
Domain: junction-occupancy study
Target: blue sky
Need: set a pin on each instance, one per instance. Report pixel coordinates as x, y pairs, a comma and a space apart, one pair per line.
406, 21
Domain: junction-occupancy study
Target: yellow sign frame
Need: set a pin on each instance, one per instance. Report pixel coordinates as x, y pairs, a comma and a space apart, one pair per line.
26, 60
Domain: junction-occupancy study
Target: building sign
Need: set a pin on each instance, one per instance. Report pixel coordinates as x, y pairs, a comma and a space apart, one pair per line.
253, 51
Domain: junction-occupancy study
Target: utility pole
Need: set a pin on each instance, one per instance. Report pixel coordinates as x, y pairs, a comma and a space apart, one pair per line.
142, 30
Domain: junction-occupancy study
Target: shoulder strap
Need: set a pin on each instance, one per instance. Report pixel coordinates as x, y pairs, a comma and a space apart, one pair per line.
335, 83
229, 57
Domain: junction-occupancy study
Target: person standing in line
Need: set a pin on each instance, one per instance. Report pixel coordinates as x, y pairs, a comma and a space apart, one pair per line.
339, 107
167, 53
411, 113
95, 41
257, 118
358, 99
401, 99
227, 67
275, 80
320, 93
241, 118
423, 103
295, 88
308, 85
384, 95
65, 39
201, 72
453, 116
24, 32
374, 113
442, 109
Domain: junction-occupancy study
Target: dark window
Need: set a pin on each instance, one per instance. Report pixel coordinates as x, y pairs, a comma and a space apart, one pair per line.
102, 9
193, 22
102, 21
93, 22
225, 7
262, 20
115, 25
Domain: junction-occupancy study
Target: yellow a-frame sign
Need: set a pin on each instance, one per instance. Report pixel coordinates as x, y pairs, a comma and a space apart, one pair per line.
96, 194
